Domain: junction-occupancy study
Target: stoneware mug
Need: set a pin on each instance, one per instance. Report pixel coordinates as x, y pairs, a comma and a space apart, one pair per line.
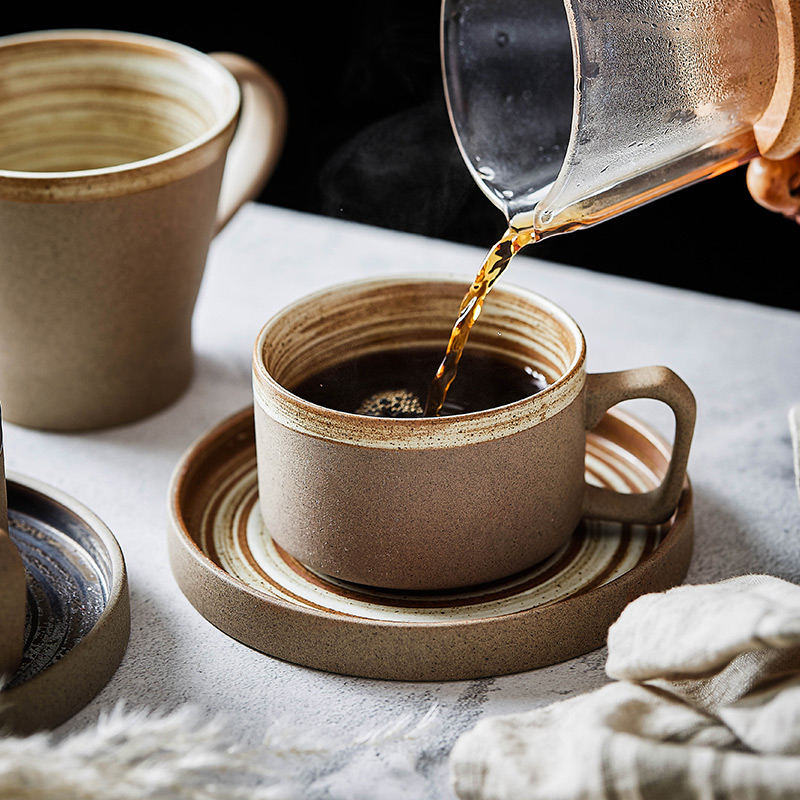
440, 502
112, 153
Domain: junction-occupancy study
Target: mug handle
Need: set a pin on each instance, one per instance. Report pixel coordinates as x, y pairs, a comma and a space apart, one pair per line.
659, 383
259, 137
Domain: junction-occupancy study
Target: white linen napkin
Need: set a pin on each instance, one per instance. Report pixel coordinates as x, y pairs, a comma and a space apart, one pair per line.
705, 704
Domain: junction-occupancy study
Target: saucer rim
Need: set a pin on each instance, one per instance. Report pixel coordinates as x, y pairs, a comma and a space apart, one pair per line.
429, 650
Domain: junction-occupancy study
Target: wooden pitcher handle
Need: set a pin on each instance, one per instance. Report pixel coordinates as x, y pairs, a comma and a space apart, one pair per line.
259, 137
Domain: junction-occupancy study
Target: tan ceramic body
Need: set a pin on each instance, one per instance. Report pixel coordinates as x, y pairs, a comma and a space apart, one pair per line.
427, 503
104, 237
418, 519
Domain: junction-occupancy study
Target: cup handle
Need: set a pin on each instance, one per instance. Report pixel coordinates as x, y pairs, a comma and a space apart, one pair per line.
659, 383
259, 136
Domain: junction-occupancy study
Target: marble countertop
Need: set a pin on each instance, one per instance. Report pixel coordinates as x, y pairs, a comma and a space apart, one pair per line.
740, 359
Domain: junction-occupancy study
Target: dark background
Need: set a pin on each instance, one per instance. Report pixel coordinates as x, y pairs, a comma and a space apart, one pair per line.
369, 140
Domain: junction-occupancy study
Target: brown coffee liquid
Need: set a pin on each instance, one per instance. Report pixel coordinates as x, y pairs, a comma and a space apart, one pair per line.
394, 383
493, 266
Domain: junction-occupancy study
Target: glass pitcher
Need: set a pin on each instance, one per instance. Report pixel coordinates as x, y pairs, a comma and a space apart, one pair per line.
569, 112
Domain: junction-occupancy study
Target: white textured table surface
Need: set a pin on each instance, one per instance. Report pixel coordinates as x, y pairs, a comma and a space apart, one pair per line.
741, 360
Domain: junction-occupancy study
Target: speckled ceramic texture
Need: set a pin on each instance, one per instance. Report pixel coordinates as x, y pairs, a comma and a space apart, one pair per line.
434, 503
233, 572
78, 615
112, 152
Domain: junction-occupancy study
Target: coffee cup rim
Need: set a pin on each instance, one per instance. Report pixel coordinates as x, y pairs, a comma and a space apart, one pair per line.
418, 432
52, 182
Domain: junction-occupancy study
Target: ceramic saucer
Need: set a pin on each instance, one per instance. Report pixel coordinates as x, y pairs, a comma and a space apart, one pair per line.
241, 581
78, 613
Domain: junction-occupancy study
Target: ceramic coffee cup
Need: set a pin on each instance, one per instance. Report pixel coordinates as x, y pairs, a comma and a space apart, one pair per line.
432, 503
112, 153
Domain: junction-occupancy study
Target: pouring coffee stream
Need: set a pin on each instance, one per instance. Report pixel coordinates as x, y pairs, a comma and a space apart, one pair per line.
404, 403
492, 268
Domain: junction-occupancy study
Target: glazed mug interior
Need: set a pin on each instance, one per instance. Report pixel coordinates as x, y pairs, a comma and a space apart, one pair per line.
326, 328
76, 103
